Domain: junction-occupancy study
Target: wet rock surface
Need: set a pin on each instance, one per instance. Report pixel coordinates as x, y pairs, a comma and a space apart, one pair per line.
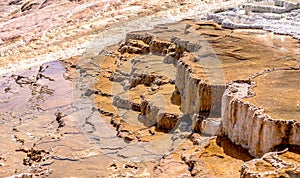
38, 126
187, 99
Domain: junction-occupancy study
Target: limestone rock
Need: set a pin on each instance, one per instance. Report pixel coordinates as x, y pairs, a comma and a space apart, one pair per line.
197, 95
248, 125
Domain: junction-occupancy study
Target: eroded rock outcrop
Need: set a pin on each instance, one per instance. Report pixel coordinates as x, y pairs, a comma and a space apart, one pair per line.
199, 83
153, 56
248, 125
197, 94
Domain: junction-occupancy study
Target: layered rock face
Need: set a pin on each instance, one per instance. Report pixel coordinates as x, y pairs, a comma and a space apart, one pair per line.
167, 60
197, 95
149, 70
203, 58
199, 98
249, 125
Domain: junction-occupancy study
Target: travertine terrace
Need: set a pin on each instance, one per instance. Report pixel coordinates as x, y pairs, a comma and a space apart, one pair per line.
215, 82
134, 96
247, 70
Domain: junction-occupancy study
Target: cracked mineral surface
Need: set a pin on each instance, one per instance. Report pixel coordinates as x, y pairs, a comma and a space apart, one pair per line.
139, 92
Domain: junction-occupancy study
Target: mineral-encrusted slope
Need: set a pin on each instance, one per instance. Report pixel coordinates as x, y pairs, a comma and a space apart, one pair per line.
248, 125
196, 93
201, 94
251, 126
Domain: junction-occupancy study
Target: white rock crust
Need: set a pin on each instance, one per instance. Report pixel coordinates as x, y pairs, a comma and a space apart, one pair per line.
283, 18
248, 125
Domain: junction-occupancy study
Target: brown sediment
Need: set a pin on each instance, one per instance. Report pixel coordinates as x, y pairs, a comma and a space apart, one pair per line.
38, 141
158, 87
